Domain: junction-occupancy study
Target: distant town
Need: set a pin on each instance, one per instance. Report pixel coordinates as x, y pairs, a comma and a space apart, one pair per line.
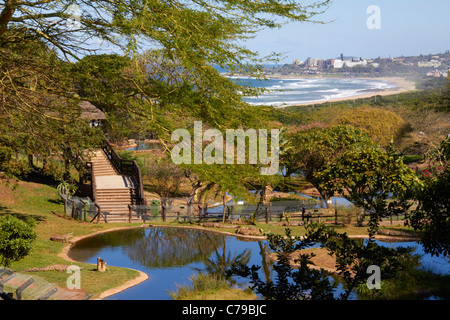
431, 65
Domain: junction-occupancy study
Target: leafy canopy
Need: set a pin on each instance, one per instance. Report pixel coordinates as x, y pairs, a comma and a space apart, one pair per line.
369, 178
40, 40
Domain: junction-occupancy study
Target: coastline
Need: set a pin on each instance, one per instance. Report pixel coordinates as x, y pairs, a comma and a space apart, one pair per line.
401, 85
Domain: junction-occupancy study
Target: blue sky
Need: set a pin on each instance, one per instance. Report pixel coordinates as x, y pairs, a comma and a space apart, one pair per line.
407, 27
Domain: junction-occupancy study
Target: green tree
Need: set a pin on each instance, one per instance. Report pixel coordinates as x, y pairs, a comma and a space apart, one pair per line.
369, 178
353, 257
194, 35
39, 114
165, 179
431, 216
304, 283
311, 150
225, 179
16, 239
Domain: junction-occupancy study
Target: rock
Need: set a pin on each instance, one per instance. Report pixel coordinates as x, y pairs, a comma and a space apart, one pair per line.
53, 267
61, 237
248, 231
286, 224
211, 225
398, 233
101, 265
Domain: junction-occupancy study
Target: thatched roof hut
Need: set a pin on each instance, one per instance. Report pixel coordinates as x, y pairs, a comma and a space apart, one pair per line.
91, 112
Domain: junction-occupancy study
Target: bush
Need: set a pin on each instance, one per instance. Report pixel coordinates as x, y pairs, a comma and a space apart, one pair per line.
412, 158
381, 125
16, 238
201, 284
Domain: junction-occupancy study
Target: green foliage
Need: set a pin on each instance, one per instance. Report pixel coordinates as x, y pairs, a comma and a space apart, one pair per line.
39, 114
381, 125
431, 216
201, 284
368, 178
66, 188
403, 283
312, 149
412, 158
16, 238
353, 257
303, 283
156, 90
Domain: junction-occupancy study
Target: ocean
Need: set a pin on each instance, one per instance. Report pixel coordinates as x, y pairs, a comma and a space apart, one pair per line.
287, 91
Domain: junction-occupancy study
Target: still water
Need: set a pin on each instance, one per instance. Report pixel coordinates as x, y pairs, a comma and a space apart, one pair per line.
170, 256
143, 145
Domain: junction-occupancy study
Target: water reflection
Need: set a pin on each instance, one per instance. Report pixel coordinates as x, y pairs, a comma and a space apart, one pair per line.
145, 146
171, 255
153, 247
168, 255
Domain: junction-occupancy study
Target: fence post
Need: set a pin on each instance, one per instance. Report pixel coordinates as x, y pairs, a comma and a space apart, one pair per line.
335, 211
98, 214
335, 215
65, 206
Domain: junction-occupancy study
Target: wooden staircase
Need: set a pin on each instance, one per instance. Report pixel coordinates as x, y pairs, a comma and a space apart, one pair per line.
113, 191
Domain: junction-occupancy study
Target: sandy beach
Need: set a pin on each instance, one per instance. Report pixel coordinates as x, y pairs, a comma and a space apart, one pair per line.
402, 85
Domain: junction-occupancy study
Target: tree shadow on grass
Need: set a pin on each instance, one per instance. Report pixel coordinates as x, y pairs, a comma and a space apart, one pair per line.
56, 201
4, 211
38, 177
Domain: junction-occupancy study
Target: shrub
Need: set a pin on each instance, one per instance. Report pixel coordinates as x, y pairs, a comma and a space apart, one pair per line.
16, 238
201, 284
381, 125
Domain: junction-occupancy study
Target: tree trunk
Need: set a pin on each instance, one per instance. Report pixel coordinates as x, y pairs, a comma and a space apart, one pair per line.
322, 195
195, 187
31, 161
66, 175
163, 211
6, 15
224, 207
267, 213
259, 203
266, 203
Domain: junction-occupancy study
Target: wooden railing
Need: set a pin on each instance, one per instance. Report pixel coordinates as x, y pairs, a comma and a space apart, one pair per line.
89, 175
126, 167
123, 166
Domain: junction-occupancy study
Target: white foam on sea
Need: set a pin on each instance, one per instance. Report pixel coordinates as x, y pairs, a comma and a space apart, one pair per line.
286, 91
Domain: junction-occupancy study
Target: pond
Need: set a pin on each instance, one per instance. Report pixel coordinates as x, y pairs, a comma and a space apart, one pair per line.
170, 256
145, 145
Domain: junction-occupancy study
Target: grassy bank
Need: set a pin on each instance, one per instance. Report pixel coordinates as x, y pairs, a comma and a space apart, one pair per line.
41, 201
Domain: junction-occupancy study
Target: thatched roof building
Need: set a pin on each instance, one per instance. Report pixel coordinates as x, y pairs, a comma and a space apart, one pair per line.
91, 112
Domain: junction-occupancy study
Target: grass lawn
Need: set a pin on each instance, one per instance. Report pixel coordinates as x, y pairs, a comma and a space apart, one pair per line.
42, 202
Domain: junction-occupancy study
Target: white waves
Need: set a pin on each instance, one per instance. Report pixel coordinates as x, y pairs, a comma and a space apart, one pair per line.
286, 91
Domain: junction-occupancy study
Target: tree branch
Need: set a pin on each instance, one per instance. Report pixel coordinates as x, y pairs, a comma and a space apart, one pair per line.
6, 15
